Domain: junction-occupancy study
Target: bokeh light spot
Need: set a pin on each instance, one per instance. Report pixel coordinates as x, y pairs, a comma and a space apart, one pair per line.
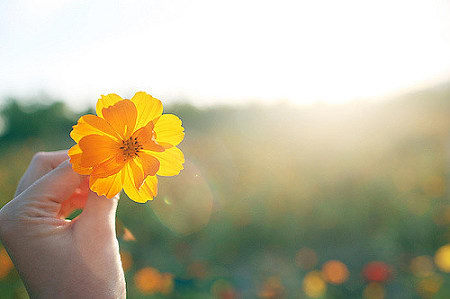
306, 258
126, 259
148, 280
429, 286
377, 272
373, 290
442, 258
272, 288
313, 284
223, 289
335, 272
422, 266
5, 263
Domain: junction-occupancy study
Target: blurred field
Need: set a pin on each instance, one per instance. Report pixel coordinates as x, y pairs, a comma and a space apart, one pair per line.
277, 201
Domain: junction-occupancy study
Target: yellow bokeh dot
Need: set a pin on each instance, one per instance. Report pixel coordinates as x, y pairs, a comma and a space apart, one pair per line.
373, 290
313, 284
335, 272
442, 258
429, 286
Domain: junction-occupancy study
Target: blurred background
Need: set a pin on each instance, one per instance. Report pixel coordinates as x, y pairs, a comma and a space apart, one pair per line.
317, 138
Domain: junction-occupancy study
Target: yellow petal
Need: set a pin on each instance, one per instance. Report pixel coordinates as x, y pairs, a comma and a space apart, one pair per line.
122, 117
148, 108
109, 186
147, 191
170, 161
97, 149
105, 102
92, 124
169, 131
75, 159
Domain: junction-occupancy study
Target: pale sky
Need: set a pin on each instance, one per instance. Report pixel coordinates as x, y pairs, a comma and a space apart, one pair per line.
229, 51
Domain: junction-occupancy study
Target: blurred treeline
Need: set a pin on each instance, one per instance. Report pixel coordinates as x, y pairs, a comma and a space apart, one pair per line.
272, 193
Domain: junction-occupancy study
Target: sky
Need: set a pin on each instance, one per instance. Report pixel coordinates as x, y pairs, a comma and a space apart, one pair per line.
233, 51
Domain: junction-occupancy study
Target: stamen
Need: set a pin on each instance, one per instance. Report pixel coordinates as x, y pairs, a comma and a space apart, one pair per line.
130, 148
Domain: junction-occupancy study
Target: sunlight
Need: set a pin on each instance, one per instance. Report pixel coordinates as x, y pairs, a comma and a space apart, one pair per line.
228, 52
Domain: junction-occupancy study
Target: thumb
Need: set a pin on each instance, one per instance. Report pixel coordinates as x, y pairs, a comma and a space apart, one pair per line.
99, 209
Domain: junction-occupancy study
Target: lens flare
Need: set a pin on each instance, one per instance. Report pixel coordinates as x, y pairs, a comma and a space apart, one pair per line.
185, 201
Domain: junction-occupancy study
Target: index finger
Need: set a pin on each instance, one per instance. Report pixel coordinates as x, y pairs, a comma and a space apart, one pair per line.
41, 164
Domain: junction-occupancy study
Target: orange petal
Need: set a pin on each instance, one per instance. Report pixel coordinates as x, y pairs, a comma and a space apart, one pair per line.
138, 173
122, 117
149, 164
109, 186
147, 191
145, 136
109, 167
169, 131
105, 102
75, 159
148, 108
97, 149
92, 124
170, 161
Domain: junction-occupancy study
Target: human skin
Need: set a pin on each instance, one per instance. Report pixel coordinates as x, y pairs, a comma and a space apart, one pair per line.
57, 258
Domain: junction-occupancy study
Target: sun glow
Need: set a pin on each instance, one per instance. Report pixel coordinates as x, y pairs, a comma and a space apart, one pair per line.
222, 51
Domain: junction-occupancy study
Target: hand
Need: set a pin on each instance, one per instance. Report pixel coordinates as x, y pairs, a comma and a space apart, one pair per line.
58, 258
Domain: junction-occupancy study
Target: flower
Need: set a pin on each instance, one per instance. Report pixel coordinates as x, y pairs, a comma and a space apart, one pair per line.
126, 145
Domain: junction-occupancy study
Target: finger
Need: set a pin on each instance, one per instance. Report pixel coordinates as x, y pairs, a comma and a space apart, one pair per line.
99, 209
41, 164
56, 186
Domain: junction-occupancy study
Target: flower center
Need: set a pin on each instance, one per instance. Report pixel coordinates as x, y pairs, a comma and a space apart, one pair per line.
130, 148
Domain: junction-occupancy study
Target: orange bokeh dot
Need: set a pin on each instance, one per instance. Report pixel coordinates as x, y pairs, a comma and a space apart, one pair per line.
5, 263
335, 272
148, 280
127, 260
272, 288
166, 283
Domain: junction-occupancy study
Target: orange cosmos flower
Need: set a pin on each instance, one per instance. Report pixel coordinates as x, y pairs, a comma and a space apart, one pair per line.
126, 145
